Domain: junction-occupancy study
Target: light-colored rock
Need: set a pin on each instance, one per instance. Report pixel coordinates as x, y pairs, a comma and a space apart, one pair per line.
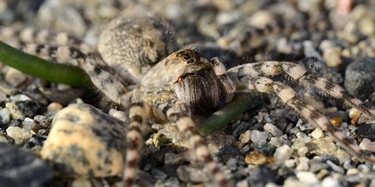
84, 142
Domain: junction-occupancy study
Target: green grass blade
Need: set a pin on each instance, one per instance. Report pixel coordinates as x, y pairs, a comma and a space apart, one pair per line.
43, 69
225, 115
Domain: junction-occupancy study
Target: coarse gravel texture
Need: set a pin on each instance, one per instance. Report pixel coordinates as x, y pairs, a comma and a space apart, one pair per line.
267, 145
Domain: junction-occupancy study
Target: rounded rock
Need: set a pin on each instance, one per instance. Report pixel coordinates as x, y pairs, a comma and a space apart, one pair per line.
85, 142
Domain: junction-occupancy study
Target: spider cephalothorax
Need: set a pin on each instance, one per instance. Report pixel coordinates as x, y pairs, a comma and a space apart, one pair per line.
193, 79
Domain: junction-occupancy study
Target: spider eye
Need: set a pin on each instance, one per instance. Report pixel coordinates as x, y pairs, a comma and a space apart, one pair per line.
190, 61
186, 56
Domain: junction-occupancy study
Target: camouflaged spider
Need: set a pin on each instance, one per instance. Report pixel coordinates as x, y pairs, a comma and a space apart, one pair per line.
185, 84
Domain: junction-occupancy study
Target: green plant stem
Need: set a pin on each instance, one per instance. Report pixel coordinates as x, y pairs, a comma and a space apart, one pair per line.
225, 115
43, 69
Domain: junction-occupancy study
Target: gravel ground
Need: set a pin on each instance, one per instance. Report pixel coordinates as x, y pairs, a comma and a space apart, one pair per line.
267, 145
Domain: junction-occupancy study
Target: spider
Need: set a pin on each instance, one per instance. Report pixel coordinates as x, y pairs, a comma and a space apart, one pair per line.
183, 85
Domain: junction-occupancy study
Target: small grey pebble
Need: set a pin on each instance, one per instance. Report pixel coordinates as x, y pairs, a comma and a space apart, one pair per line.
190, 174
261, 176
29, 124
279, 141
4, 116
316, 165
335, 167
360, 78
172, 158
259, 137
272, 129
158, 174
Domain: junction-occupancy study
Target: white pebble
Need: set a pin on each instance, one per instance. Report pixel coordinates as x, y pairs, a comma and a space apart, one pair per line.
366, 144
303, 164
330, 182
242, 183
257, 136
352, 171
290, 163
20, 97
317, 133
307, 177
302, 151
18, 134
282, 153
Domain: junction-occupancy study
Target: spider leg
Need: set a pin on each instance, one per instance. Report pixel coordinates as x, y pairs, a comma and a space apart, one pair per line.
300, 74
137, 114
290, 97
220, 71
102, 77
177, 116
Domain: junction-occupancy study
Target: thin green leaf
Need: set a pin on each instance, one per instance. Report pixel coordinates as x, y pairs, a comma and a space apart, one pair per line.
220, 119
43, 69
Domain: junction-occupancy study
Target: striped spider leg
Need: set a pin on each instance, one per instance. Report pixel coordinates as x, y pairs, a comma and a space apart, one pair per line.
254, 77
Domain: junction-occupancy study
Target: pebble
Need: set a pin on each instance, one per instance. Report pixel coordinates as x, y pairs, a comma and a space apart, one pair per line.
158, 174
19, 109
85, 142
366, 144
282, 153
261, 176
279, 141
18, 134
15, 77
231, 163
307, 177
20, 168
29, 124
272, 129
172, 158
317, 133
245, 137
322, 146
303, 164
54, 107
352, 171
335, 167
302, 151
330, 182
4, 116
258, 136
360, 78
217, 140
258, 158
190, 174
322, 173
367, 131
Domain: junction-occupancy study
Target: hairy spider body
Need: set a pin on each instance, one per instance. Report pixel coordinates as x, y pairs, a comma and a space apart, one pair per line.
185, 84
